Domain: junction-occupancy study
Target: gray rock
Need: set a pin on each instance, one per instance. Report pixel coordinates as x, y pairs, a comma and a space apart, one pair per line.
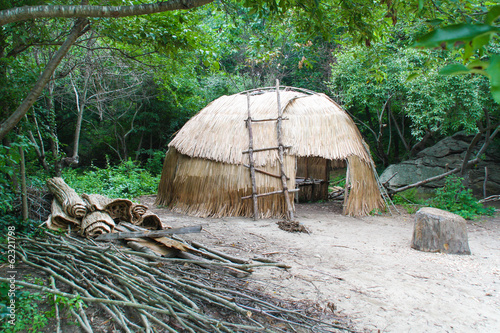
445, 155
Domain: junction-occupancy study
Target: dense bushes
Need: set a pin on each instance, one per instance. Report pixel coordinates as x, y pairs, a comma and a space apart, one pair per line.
126, 180
453, 197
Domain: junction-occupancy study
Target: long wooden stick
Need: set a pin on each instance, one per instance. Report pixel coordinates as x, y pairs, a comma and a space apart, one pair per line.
263, 171
281, 153
269, 193
149, 234
252, 162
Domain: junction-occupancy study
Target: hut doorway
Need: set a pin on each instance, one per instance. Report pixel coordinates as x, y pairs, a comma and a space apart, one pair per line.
313, 177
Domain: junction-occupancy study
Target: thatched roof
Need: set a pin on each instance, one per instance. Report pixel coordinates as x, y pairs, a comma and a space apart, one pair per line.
316, 126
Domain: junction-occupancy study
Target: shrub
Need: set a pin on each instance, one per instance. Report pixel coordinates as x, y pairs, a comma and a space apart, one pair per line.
28, 317
126, 180
455, 198
154, 164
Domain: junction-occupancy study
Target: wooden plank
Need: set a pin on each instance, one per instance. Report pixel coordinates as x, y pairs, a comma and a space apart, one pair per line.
269, 193
150, 234
264, 149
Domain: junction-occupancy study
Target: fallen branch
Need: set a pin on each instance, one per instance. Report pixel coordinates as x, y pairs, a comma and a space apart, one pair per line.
490, 198
149, 234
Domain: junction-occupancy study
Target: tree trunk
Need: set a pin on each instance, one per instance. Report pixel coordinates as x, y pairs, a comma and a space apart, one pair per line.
436, 230
78, 127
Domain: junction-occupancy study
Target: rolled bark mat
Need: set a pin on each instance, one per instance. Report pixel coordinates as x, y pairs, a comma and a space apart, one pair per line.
58, 219
96, 223
96, 201
150, 221
118, 209
138, 211
70, 201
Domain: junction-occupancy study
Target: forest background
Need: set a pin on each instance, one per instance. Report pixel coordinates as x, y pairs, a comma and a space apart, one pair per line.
105, 113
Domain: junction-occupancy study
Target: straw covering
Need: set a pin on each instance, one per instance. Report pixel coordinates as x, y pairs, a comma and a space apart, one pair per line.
204, 172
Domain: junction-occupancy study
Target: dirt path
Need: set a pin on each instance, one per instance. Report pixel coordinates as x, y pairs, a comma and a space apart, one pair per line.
366, 270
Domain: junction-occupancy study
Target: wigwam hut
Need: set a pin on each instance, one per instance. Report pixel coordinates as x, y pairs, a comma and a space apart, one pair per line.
206, 168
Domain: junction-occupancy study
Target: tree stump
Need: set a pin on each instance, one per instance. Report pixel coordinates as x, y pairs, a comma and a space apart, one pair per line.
437, 230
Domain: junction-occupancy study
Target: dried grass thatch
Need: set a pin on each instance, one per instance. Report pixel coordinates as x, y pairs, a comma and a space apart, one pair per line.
364, 194
202, 187
203, 172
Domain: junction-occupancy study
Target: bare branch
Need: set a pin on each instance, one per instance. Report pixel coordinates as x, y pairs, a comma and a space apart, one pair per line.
44, 78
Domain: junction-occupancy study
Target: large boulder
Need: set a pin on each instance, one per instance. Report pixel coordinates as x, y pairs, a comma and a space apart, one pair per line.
445, 155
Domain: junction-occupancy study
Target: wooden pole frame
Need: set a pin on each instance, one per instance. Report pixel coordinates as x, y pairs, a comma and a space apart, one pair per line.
281, 153
252, 162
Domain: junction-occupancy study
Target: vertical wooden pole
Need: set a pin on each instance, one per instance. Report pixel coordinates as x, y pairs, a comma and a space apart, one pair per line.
251, 162
281, 153
24, 190
485, 181
346, 188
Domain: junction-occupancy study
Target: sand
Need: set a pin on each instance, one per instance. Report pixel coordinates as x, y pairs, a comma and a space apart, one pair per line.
365, 270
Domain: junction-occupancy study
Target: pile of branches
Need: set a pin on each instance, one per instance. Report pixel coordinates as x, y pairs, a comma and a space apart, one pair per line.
146, 293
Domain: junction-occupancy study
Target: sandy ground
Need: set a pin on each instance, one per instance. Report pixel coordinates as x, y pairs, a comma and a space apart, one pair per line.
365, 269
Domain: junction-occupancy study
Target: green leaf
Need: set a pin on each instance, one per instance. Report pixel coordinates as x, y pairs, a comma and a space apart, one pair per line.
420, 5
455, 33
478, 65
493, 71
480, 41
454, 69
493, 14
412, 76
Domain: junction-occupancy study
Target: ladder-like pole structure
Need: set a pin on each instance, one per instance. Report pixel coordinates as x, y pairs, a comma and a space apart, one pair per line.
251, 162
281, 154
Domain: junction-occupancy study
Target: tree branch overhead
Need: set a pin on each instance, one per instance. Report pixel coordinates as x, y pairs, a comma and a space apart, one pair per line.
25, 13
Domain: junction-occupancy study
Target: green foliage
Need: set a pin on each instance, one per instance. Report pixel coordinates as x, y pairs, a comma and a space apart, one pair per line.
395, 93
455, 198
9, 160
126, 180
154, 163
28, 317
66, 303
410, 199
26, 227
471, 39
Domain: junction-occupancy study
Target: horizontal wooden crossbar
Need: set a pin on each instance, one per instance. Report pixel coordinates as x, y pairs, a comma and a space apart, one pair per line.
267, 119
268, 193
264, 149
265, 172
